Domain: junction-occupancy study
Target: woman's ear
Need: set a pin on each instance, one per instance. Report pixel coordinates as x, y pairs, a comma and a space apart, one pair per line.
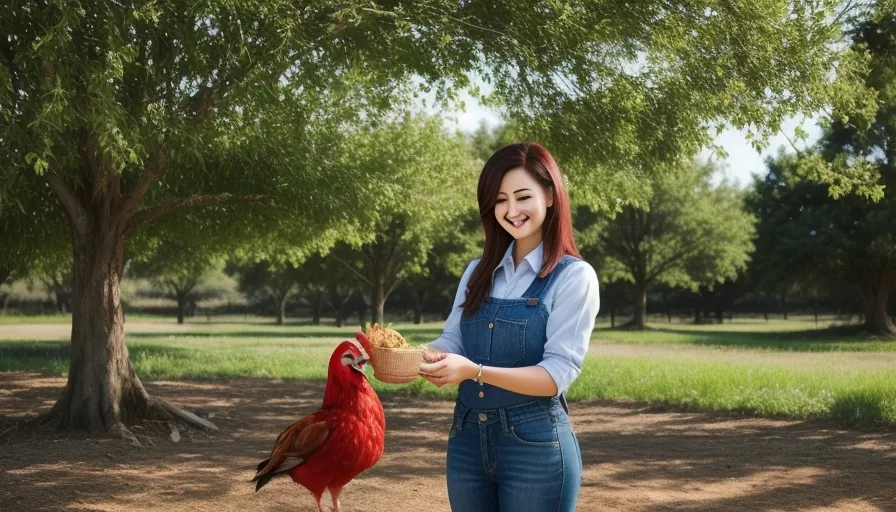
549, 201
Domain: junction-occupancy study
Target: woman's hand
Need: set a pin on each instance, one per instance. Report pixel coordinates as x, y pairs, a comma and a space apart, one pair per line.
443, 369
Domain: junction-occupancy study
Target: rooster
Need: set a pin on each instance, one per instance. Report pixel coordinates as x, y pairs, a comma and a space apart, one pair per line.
327, 449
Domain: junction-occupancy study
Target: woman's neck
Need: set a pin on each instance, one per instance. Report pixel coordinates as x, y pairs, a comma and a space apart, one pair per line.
522, 248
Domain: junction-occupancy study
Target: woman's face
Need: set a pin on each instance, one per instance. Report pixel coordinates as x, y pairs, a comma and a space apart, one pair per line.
522, 204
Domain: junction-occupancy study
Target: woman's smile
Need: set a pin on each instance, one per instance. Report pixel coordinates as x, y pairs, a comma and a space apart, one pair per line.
518, 223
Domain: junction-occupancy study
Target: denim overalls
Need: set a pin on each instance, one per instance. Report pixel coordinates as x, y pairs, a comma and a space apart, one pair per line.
506, 451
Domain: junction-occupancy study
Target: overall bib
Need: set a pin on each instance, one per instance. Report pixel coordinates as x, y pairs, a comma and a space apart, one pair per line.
507, 451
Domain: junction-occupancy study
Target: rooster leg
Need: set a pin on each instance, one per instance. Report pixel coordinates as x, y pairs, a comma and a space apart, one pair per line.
334, 493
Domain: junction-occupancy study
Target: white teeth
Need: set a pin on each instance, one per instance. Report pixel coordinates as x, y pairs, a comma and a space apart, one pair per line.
518, 223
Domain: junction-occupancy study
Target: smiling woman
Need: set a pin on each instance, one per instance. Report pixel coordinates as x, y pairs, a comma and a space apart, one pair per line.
515, 340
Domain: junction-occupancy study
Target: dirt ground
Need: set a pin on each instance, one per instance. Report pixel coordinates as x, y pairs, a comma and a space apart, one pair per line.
635, 458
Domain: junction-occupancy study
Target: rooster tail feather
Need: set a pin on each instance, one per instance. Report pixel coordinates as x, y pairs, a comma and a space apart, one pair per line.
263, 481
288, 464
261, 466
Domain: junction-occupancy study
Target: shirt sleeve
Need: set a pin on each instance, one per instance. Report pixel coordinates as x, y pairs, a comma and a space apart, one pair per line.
569, 325
450, 340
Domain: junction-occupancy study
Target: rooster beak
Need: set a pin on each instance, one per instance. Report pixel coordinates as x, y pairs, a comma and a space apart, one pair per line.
359, 363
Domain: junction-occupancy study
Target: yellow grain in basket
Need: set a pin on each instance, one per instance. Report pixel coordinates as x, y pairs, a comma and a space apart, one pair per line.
393, 359
386, 338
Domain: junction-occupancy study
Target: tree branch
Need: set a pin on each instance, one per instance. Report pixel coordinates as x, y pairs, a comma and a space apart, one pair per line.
152, 171
352, 270
207, 98
184, 204
76, 213
392, 288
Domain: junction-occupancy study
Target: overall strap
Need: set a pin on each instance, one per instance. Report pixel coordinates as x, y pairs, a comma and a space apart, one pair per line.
539, 288
540, 285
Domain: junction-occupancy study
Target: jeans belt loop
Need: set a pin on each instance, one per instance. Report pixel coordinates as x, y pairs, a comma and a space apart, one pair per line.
504, 423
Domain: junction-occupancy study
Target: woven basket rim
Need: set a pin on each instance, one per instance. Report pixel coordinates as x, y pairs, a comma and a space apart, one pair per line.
408, 349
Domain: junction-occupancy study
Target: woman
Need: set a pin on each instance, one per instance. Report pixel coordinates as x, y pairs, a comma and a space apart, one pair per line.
515, 341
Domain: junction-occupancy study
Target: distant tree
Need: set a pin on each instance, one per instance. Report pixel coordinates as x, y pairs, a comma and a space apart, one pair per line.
177, 268
432, 188
276, 280
445, 263
691, 233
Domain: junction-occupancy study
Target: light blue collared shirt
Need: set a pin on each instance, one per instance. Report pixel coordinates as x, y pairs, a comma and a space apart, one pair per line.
572, 302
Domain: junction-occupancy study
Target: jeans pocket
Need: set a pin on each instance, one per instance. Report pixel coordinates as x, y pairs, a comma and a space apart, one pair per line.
541, 432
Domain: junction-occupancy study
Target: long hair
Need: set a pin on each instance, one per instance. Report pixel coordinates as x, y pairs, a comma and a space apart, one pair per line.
557, 232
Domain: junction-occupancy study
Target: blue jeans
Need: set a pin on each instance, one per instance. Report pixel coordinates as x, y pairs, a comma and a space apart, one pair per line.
520, 458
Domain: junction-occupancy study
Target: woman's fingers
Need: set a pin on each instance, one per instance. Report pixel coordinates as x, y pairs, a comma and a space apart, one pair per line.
432, 368
433, 356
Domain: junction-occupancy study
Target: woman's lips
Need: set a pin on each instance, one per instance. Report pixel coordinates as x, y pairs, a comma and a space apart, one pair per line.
519, 223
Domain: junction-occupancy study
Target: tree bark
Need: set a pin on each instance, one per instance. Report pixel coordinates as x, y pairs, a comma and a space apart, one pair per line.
640, 319
103, 392
181, 306
378, 299
875, 297
280, 300
316, 299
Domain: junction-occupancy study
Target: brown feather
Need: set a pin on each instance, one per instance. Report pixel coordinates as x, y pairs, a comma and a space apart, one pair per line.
297, 442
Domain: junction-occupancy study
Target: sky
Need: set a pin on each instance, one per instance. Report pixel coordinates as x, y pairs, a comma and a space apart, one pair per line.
742, 162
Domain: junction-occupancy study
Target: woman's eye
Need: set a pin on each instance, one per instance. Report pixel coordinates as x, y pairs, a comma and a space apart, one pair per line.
501, 201
523, 198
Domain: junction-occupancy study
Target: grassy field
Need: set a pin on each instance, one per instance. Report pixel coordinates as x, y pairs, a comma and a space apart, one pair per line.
780, 369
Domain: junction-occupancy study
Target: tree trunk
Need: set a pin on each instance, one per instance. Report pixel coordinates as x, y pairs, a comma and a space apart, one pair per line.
640, 320
280, 299
378, 299
612, 317
362, 313
316, 299
875, 298
103, 392
181, 306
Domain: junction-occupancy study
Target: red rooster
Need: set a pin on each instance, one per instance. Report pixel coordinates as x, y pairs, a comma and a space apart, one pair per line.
327, 449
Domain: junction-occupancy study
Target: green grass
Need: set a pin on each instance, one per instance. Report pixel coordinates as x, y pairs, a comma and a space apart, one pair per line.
34, 319
763, 381
796, 337
854, 398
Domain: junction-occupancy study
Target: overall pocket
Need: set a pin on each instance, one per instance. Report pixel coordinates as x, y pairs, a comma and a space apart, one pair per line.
476, 338
508, 341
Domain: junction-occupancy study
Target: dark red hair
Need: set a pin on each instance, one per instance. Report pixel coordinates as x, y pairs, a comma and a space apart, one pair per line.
557, 232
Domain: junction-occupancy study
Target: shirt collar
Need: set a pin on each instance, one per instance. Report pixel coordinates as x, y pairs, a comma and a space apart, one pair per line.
535, 259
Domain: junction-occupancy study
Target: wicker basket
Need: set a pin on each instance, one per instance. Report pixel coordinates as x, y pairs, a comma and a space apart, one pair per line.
396, 365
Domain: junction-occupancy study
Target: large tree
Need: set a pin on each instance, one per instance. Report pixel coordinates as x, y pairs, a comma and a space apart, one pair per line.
691, 233
844, 243
116, 114
826, 216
